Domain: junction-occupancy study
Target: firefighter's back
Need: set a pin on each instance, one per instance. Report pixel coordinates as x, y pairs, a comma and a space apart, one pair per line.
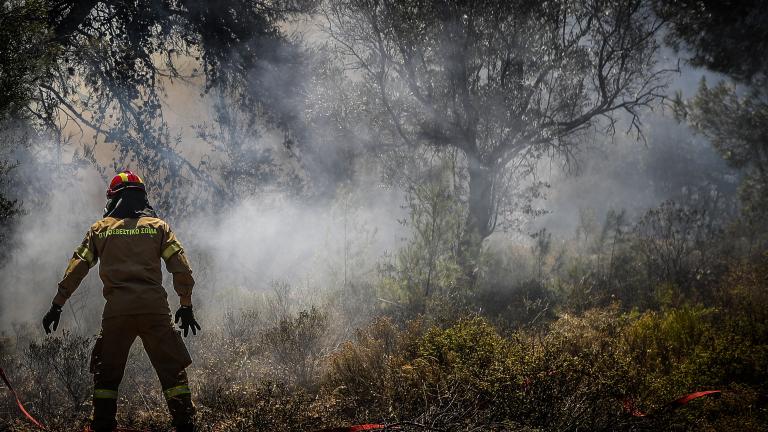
130, 251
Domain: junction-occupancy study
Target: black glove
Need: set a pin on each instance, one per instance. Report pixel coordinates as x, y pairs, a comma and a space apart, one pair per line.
52, 317
187, 318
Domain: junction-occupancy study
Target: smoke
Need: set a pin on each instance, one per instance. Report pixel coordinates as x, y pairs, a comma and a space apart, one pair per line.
315, 244
56, 202
632, 173
236, 253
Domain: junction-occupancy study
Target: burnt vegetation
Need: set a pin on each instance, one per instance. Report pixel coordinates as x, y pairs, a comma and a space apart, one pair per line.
480, 319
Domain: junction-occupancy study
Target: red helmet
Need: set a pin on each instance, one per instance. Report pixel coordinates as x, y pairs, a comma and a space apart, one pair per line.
124, 180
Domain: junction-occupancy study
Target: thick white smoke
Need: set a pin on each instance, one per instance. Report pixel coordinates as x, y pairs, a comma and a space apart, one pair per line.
235, 252
45, 237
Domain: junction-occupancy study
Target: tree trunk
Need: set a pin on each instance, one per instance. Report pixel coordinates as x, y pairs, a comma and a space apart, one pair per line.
479, 222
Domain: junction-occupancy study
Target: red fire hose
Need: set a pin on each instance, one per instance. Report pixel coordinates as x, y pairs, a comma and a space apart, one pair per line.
631, 409
18, 402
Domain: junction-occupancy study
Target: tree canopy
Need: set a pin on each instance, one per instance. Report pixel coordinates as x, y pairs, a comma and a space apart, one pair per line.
503, 82
730, 38
100, 68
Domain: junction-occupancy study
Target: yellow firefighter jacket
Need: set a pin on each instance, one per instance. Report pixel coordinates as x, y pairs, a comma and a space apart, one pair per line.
130, 251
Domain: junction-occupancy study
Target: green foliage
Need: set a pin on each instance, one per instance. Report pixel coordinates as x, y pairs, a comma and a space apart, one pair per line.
727, 37
426, 269
737, 126
365, 378
578, 375
695, 348
471, 350
23, 61
25, 55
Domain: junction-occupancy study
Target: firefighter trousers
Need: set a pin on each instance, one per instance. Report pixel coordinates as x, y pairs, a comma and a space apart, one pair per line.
166, 351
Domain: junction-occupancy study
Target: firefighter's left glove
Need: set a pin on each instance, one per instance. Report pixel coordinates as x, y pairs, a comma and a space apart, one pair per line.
52, 317
187, 318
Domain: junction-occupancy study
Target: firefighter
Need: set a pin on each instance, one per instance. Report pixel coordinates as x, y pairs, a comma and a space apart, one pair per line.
129, 242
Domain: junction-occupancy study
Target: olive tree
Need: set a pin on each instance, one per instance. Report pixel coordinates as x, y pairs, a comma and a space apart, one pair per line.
504, 82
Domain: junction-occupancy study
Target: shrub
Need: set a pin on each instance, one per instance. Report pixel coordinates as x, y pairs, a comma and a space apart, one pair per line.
364, 378
58, 372
296, 345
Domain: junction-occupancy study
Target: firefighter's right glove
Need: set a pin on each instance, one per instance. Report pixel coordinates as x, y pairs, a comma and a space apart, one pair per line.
52, 317
187, 318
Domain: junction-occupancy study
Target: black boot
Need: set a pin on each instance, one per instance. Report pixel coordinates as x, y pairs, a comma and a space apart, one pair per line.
187, 427
182, 412
104, 411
